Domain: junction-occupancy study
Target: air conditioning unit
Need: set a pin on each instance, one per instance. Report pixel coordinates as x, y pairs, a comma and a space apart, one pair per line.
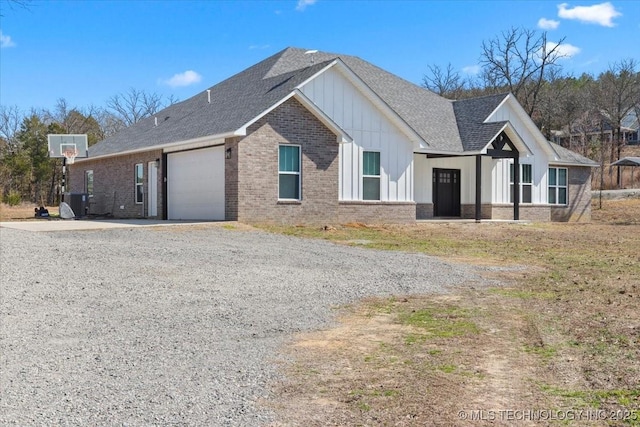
79, 203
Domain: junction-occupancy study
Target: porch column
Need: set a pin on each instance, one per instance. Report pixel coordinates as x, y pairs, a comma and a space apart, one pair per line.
478, 187
516, 188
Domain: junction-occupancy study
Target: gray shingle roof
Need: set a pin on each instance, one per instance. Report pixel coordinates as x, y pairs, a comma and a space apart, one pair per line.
445, 125
567, 156
234, 102
244, 96
470, 116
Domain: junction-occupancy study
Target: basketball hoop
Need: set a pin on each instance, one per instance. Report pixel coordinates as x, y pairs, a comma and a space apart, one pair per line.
70, 155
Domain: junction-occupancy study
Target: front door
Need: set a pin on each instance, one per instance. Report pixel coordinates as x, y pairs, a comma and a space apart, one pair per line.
446, 192
152, 192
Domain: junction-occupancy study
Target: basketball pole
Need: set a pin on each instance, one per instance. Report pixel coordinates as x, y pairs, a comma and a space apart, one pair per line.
64, 178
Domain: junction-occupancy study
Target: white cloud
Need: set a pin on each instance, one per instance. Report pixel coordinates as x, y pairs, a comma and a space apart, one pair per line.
601, 14
187, 78
565, 50
302, 4
5, 41
471, 69
548, 24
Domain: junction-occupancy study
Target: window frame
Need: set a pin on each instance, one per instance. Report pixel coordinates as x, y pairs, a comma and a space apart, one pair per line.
138, 179
555, 188
371, 177
88, 182
523, 184
297, 173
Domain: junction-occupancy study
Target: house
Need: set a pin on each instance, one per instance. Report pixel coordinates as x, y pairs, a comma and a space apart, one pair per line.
319, 138
595, 127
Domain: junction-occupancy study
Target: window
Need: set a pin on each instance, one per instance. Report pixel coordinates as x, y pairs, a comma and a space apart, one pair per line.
139, 183
526, 183
289, 172
558, 186
88, 182
371, 175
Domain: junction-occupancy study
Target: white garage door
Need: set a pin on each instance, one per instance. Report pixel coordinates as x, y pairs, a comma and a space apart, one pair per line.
195, 184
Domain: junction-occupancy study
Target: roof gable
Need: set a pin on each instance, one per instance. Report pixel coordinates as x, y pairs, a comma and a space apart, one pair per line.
471, 117
244, 96
228, 107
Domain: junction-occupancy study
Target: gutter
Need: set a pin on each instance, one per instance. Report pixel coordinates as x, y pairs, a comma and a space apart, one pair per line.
167, 145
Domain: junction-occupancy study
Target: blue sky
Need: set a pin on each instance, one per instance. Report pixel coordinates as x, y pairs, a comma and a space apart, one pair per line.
88, 51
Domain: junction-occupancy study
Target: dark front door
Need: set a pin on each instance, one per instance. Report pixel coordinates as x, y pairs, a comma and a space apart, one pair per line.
446, 192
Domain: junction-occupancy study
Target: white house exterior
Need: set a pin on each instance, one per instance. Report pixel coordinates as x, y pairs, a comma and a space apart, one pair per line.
322, 138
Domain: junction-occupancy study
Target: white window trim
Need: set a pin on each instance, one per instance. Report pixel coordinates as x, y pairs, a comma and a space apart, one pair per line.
379, 176
557, 186
141, 183
86, 182
299, 173
522, 184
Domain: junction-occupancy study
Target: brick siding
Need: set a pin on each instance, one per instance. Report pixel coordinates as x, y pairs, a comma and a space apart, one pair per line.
468, 211
114, 184
537, 213
376, 212
579, 207
424, 210
251, 173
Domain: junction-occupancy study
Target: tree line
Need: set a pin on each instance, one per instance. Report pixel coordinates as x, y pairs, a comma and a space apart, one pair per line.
587, 111
26, 171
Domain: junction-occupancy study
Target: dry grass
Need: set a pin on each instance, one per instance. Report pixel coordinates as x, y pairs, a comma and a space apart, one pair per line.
563, 334
22, 212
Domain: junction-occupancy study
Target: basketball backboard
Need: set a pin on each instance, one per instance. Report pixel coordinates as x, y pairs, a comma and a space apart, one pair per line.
68, 145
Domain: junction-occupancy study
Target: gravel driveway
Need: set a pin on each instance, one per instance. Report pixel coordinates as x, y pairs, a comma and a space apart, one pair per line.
175, 325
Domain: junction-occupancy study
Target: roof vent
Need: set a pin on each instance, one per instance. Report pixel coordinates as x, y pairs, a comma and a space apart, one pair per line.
209, 96
155, 121
311, 52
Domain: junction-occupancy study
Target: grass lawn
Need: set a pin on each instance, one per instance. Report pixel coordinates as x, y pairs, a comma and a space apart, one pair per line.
561, 333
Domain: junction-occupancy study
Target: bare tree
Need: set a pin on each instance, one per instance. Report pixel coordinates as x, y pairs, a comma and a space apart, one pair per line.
556, 103
17, 4
617, 94
10, 121
445, 82
134, 105
516, 61
76, 120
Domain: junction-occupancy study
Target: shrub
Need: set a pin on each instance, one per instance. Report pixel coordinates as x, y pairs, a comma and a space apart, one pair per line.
13, 198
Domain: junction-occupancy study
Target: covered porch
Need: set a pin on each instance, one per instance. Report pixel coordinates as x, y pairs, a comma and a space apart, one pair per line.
462, 186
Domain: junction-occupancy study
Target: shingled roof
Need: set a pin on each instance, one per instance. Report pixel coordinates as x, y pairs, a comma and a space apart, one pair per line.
566, 156
470, 116
444, 125
242, 97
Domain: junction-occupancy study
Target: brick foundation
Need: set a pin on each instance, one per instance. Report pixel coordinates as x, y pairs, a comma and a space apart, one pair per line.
469, 211
424, 210
537, 213
376, 212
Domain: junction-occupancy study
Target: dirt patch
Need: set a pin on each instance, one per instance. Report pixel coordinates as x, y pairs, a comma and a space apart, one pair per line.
562, 334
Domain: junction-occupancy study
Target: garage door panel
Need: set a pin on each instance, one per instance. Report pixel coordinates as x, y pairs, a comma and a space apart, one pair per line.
195, 184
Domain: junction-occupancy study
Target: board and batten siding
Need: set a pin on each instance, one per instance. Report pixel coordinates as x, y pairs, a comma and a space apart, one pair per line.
371, 131
538, 159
